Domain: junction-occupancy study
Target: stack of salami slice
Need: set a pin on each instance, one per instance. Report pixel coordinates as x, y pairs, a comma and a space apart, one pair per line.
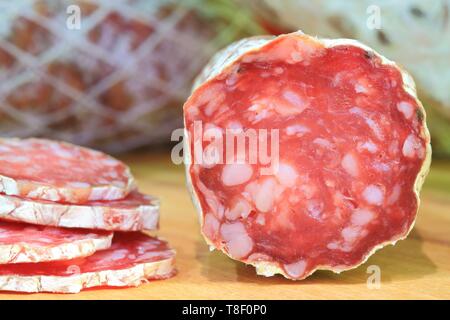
72, 218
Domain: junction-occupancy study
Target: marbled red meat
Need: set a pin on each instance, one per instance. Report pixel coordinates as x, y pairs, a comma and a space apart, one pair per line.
353, 153
58, 171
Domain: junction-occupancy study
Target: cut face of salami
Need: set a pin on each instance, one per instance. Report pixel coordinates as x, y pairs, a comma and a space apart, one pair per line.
135, 212
57, 171
132, 259
21, 242
353, 151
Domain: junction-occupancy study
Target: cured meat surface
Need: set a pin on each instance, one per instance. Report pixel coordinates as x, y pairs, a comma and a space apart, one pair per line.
352, 152
57, 171
20, 242
132, 259
133, 213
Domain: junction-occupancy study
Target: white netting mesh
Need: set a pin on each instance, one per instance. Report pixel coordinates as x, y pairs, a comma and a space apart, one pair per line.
116, 83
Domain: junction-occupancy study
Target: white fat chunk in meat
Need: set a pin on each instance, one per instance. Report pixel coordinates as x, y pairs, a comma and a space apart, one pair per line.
406, 108
408, 147
337, 79
323, 143
236, 174
231, 80
373, 195
118, 255
296, 56
369, 121
294, 99
237, 241
296, 269
234, 125
212, 201
257, 106
395, 195
367, 145
394, 147
380, 166
264, 195
296, 129
287, 175
278, 70
258, 111
60, 151
333, 245
357, 110
211, 226
330, 183
375, 128
351, 233
412, 147
315, 208
263, 114
260, 219
361, 216
359, 88
308, 190
215, 104
240, 209
350, 164
193, 112
210, 93
212, 155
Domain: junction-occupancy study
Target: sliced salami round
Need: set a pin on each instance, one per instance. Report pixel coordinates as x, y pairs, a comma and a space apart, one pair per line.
304, 154
25, 243
59, 171
132, 259
133, 213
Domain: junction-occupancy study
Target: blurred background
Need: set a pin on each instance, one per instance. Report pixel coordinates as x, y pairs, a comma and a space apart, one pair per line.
116, 78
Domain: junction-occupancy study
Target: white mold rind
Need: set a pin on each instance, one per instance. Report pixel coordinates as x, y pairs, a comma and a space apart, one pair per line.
24, 252
143, 217
133, 276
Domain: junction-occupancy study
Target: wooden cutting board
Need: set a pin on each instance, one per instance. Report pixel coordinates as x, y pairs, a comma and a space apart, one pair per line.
418, 267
